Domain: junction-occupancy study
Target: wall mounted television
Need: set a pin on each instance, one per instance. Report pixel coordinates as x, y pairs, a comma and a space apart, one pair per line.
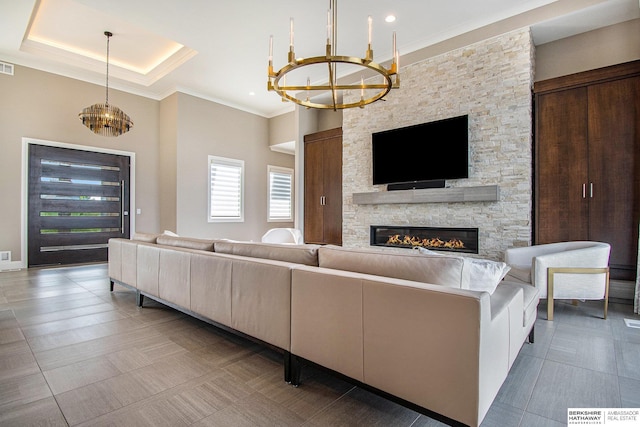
423, 155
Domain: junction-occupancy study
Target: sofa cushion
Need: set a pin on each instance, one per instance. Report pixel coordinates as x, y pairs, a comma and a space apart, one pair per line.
145, 237
531, 298
520, 273
300, 254
434, 269
186, 242
484, 274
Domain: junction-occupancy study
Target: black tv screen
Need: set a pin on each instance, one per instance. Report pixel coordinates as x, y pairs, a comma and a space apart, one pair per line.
436, 150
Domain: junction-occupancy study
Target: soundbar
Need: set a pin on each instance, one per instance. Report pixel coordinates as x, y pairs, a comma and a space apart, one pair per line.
436, 183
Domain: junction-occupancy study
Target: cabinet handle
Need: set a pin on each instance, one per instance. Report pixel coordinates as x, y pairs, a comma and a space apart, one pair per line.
323, 201
591, 190
584, 191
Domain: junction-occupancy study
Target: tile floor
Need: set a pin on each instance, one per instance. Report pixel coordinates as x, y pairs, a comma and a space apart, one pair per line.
73, 353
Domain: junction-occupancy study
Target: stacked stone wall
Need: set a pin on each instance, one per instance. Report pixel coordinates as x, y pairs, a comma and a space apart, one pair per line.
491, 81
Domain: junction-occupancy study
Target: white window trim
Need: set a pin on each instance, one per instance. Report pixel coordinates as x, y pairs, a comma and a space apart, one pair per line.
228, 162
282, 170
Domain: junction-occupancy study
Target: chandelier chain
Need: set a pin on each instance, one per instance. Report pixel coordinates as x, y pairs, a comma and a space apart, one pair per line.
108, 34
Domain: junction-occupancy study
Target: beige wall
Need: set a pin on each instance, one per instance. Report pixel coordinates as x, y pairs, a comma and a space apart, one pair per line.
611, 45
206, 128
45, 106
168, 175
282, 128
170, 139
329, 119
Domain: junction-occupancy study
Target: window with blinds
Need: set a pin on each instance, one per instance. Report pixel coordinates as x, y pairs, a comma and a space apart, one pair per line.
280, 194
226, 190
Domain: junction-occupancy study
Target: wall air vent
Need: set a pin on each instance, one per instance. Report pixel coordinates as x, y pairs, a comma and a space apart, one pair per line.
6, 68
632, 323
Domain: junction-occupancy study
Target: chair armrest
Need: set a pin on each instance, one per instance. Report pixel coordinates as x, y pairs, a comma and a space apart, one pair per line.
523, 256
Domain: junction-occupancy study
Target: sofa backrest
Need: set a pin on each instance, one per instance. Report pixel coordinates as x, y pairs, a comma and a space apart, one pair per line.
449, 271
145, 237
186, 242
300, 254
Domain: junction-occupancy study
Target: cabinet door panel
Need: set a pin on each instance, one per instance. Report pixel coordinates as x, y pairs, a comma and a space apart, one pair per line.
614, 170
323, 187
561, 166
313, 191
333, 190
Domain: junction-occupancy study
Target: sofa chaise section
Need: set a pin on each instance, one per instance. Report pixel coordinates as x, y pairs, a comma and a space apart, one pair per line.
437, 347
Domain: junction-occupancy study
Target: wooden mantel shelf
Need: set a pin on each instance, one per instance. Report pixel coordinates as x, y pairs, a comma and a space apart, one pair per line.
485, 193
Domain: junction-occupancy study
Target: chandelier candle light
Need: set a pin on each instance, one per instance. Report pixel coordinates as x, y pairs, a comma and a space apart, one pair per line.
105, 119
369, 92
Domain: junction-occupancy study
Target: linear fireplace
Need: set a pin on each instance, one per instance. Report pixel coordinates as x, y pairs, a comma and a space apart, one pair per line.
437, 238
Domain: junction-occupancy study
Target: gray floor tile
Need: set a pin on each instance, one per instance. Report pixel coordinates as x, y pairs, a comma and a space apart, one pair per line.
628, 359
518, 387
629, 392
533, 420
583, 347
501, 415
561, 386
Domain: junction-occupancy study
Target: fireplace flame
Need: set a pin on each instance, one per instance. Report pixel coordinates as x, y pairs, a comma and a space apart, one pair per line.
435, 242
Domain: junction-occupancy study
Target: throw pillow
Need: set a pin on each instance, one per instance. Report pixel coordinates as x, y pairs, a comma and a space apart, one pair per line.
485, 275
170, 233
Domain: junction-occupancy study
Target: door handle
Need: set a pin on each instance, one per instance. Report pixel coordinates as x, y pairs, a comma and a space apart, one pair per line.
122, 212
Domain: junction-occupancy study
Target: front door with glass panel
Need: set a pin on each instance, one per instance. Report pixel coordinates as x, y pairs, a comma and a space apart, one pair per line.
78, 200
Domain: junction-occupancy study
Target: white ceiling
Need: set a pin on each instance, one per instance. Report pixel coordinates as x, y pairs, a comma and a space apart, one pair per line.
218, 50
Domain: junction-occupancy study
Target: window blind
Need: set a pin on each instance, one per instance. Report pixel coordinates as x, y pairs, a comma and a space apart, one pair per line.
226, 200
280, 194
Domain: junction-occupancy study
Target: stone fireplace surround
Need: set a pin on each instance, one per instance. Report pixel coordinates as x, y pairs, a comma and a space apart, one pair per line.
491, 81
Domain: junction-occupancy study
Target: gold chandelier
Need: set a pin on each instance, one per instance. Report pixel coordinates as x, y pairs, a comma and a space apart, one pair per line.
369, 92
105, 119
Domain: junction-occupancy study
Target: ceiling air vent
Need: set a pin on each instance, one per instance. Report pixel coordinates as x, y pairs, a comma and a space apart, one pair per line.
6, 68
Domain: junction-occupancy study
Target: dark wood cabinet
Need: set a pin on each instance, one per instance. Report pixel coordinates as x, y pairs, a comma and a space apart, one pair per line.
587, 162
323, 187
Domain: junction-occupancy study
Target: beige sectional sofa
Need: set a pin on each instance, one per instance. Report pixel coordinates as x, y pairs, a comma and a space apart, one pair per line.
407, 325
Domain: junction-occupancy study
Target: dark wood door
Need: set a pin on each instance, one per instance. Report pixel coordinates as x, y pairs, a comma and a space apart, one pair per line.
313, 192
614, 170
561, 167
77, 201
323, 187
332, 161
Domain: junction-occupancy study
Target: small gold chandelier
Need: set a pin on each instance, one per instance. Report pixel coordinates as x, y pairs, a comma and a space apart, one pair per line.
369, 92
105, 119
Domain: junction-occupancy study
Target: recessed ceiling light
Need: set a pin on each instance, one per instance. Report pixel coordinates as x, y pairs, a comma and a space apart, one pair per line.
252, 93
390, 18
